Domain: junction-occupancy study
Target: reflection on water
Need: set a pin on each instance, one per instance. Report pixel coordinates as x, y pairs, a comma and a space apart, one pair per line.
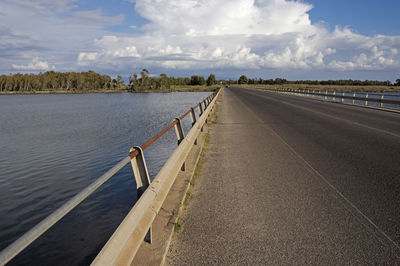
52, 146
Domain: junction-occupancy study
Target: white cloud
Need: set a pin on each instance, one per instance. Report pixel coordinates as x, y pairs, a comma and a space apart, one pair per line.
192, 34
48, 29
244, 34
44, 6
221, 17
96, 17
35, 65
87, 58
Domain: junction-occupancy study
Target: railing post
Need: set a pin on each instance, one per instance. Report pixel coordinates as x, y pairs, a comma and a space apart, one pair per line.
354, 95
142, 178
342, 97
334, 95
366, 99
193, 118
382, 96
200, 109
326, 95
200, 114
180, 136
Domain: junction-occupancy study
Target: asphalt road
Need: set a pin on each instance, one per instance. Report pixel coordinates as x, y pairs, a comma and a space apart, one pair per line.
292, 180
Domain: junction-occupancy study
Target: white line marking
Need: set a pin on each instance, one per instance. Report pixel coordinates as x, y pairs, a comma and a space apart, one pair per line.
320, 175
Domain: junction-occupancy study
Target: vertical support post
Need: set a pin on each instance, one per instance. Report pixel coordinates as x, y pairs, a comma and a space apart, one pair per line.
200, 114
193, 118
354, 95
382, 96
366, 99
334, 94
142, 178
212, 107
200, 107
326, 95
179, 135
342, 97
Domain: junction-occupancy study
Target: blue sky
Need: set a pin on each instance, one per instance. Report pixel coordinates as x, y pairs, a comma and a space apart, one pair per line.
313, 39
369, 17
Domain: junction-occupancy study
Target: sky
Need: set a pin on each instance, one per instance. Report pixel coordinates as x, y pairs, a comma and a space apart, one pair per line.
308, 39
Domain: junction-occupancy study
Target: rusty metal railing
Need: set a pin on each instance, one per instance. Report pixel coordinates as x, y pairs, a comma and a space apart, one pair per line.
139, 167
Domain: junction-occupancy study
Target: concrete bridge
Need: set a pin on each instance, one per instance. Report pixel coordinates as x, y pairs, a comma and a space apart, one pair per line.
284, 180
294, 180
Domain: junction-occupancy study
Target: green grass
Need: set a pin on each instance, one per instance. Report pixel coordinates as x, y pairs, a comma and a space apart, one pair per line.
178, 226
213, 119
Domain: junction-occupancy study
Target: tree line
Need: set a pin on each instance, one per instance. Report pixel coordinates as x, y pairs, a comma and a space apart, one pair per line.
244, 80
92, 81
53, 81
146, 82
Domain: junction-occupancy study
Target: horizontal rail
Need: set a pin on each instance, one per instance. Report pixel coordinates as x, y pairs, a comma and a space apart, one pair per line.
26, 239
154, 139
123, 245
356, 98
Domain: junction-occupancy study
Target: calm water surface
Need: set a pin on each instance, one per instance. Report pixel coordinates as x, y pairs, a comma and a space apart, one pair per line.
52, 146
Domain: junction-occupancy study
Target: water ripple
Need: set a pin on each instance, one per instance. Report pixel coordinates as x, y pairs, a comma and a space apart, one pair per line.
53, 146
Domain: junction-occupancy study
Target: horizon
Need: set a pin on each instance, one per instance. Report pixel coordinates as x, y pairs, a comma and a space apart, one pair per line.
126, 78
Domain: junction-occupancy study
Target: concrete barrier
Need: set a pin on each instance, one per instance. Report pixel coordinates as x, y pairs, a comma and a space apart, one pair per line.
123, 245
126, 240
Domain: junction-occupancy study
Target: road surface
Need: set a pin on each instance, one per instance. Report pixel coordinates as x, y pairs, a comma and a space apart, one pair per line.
292, 180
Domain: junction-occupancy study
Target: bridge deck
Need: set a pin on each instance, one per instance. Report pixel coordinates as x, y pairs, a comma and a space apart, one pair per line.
289, 180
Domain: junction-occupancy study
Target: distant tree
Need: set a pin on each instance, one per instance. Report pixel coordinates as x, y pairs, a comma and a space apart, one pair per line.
164, 82
197, 80
211, 80
120, 81
133, 82
144, 79
243, 79
397, 82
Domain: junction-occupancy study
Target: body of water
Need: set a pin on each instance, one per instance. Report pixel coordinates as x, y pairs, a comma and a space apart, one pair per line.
53, 146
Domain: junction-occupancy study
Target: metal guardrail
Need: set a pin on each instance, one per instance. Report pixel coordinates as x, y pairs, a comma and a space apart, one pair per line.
145, 188
325, 95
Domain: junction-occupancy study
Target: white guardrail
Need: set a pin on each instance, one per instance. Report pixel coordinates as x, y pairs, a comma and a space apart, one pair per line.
121, 248
381, 100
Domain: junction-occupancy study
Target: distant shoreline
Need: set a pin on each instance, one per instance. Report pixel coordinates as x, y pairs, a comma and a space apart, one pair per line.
179, 89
